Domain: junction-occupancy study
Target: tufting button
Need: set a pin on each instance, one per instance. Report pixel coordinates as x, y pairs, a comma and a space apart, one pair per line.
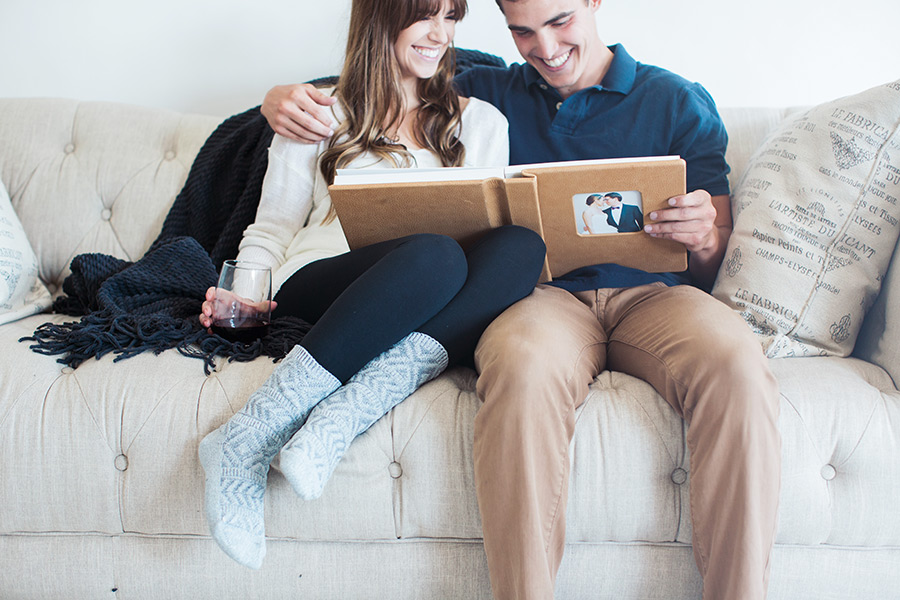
395, 470
828, 472
679, 476
170, 155
67, 370
121, 462
70, 148
106, 214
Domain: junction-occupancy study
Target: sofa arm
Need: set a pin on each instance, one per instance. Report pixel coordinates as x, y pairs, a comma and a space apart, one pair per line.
879, 337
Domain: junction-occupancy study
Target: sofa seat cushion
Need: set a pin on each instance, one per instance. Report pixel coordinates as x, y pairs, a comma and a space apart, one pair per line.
104, 448
840, 423
121, 438
631, 466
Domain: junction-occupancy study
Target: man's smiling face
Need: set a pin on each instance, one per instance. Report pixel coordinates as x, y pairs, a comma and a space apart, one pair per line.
559, 39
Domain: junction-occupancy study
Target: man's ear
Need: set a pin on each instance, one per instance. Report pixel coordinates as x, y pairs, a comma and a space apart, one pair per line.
594, 5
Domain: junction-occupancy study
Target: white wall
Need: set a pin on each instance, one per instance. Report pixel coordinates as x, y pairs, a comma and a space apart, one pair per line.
220, 56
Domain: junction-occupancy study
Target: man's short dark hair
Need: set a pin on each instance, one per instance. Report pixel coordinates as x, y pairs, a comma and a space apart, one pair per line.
615, 195
500, 6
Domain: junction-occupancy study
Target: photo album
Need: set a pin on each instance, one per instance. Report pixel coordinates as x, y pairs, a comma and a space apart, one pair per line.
588, 212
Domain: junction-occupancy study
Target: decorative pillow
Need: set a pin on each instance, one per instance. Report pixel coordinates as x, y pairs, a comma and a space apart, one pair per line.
815, 223
21, 292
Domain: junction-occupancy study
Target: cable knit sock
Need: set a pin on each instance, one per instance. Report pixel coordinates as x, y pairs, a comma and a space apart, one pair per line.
310, 457
236, 456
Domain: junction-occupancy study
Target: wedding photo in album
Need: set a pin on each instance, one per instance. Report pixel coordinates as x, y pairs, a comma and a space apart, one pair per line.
587, 212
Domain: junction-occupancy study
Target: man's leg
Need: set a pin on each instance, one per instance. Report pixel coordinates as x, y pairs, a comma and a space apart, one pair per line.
535, 361
704, 360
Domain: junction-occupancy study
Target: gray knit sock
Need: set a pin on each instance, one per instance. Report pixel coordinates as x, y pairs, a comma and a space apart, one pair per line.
236, 456
310, 457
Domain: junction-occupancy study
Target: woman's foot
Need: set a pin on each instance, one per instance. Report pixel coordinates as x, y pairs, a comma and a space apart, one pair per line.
236, 456
310, 457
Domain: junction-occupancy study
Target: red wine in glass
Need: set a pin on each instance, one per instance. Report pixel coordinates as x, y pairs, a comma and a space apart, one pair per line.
242, 302
245, 331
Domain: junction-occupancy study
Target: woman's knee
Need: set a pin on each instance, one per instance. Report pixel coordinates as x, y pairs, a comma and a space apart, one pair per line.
435, 245
436, 256
509, 256
523, 242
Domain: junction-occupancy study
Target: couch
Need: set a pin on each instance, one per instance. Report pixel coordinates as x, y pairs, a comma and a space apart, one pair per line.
101, 492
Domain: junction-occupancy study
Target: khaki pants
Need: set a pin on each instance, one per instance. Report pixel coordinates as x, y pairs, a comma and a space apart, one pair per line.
536, 362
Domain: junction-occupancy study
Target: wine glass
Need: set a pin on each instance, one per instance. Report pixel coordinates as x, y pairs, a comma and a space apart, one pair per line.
242, 308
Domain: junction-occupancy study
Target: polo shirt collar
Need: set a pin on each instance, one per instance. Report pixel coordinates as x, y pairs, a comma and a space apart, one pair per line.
621, 73
619, 77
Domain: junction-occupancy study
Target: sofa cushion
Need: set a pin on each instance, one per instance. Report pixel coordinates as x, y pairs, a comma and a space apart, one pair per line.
815, 224
21, 291
122, 438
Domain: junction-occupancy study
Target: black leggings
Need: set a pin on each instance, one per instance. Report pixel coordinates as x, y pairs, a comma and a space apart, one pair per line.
364, 301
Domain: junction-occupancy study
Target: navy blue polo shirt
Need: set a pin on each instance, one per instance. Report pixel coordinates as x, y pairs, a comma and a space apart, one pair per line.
637, 110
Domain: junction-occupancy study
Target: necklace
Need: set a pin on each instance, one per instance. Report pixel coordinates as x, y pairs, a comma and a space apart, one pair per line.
390, 140
395, 139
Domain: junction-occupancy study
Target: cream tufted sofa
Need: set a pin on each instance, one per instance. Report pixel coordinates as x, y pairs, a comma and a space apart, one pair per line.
101, 493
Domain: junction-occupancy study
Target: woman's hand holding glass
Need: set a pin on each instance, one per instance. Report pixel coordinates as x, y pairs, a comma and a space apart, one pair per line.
239, 308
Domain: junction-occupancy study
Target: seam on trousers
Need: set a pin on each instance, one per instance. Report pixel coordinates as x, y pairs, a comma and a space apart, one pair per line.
701, 551
562, 481
565, 450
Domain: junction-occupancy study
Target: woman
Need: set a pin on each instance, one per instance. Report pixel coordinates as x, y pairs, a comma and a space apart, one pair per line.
593, 216
388, 317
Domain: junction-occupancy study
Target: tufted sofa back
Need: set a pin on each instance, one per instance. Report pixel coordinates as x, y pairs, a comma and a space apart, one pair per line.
100, 177
93, 177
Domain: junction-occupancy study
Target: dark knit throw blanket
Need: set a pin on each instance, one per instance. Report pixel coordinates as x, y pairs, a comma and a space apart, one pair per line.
221, 194
153, 304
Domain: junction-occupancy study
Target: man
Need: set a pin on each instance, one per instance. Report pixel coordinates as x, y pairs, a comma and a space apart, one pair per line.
626, 218
572, 99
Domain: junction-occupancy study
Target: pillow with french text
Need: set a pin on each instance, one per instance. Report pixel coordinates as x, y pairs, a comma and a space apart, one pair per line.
815, 224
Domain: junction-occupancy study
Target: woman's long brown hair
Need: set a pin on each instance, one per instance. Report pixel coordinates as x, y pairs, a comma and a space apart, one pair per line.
369, 91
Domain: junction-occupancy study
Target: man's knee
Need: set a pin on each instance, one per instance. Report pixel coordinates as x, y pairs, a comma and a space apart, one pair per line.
745, 389
514, 355
536, 357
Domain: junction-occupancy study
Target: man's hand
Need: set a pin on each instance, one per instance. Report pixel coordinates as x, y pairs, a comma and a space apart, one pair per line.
691, 220
299, 112
703, 224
